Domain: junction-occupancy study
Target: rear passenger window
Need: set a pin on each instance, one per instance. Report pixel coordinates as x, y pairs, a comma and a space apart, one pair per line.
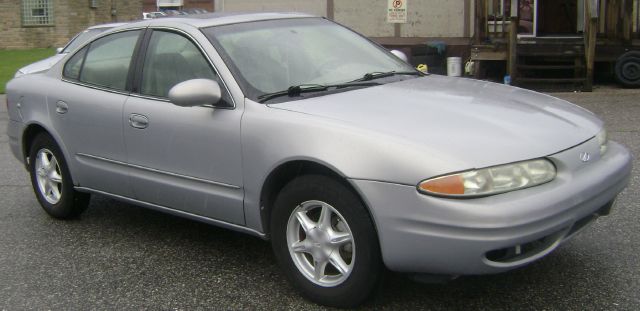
73, 66
171, 59
108, 59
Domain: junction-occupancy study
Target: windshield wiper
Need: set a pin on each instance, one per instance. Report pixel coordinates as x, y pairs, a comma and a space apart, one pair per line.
297, 90
378, 75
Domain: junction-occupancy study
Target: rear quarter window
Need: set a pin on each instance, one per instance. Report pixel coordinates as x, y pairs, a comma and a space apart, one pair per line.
105, 62
74, 65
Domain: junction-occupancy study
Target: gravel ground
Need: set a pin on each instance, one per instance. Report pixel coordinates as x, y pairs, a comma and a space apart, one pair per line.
119, 256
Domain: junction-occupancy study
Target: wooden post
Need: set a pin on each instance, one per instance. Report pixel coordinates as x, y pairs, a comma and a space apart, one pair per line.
513, 41
591, 33
504, 21
613, 18
467, 19
480, 24
513, 47
627, 21
591, 53
330, 9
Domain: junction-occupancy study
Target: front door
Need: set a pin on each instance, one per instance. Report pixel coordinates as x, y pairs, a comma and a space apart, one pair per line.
183, 158
558, 17
550, 18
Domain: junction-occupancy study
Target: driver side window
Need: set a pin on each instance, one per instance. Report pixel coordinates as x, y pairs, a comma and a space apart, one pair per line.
170, 59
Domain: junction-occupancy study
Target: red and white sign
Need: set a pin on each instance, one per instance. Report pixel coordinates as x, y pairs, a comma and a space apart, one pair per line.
397, 11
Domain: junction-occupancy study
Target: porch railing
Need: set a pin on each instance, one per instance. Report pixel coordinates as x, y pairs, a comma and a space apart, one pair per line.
491, 20
616, 18
497, 13
619, 19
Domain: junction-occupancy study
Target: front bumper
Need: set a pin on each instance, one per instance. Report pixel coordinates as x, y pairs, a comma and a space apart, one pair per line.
424, 234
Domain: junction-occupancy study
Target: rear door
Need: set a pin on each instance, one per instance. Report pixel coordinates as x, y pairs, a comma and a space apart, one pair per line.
183, 158
87, 110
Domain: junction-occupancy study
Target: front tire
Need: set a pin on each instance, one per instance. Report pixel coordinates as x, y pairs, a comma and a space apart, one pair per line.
52, 182
325, 241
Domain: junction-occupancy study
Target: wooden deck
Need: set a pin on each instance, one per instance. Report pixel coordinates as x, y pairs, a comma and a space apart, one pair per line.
609, 30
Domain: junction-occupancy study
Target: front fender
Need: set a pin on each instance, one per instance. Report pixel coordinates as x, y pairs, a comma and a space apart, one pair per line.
271, 137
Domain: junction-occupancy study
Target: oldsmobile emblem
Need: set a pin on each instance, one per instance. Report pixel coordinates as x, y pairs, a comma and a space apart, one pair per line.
585, 156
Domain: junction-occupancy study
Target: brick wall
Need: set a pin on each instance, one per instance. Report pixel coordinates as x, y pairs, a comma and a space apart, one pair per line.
71, 17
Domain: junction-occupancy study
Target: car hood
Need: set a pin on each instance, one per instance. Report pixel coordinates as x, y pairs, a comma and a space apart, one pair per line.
477, 123
42, 65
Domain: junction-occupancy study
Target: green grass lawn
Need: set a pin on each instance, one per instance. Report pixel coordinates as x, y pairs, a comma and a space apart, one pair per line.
12, 60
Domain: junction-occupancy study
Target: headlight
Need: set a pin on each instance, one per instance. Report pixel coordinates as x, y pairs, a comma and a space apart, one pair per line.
492, 180
603, 140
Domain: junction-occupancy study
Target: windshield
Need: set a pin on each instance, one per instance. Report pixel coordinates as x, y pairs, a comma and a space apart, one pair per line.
82, 38
272, 56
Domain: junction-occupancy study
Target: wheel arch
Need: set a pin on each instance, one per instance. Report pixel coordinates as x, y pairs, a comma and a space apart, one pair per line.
290, 170
30, 132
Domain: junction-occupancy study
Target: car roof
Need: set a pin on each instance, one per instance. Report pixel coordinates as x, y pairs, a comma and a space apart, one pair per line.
224, 18
109, 25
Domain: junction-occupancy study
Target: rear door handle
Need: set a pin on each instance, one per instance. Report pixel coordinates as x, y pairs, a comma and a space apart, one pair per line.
138, 121
62, 107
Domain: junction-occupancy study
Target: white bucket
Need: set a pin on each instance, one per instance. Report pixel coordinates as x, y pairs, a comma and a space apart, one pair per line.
454, 66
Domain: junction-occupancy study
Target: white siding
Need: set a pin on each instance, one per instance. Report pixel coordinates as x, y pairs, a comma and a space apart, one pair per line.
368, 17
434, 18
426, 18
315, 7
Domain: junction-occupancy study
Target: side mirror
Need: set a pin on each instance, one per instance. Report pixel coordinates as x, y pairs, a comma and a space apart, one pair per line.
59, 50
400, 55
196, 92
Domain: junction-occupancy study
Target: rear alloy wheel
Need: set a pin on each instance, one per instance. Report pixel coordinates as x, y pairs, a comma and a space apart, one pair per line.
48, 176
325, 241
52, 182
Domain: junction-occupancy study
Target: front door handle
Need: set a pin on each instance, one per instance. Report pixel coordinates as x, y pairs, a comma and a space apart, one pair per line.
138, 121
62, 107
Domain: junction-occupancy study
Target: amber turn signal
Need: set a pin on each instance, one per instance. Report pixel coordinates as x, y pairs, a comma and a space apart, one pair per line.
452, 184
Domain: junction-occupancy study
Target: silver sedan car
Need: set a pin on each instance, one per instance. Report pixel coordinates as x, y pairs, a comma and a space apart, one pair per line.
297, 130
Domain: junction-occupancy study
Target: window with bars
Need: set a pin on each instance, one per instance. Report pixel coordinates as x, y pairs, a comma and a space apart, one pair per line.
37, 12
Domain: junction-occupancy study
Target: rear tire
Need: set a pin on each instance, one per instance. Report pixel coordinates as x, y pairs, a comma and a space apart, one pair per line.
52, 182
325, 242
628, 69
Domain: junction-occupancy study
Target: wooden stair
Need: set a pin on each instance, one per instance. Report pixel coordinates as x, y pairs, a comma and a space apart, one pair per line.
557, 64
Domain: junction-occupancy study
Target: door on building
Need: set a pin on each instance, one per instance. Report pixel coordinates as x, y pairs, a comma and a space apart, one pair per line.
558, 17
551, 17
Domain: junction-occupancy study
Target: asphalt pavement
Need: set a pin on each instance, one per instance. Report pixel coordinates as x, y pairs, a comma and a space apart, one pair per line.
119, 256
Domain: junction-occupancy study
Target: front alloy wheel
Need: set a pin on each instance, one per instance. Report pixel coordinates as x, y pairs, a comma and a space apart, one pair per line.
325, 242
321, 243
